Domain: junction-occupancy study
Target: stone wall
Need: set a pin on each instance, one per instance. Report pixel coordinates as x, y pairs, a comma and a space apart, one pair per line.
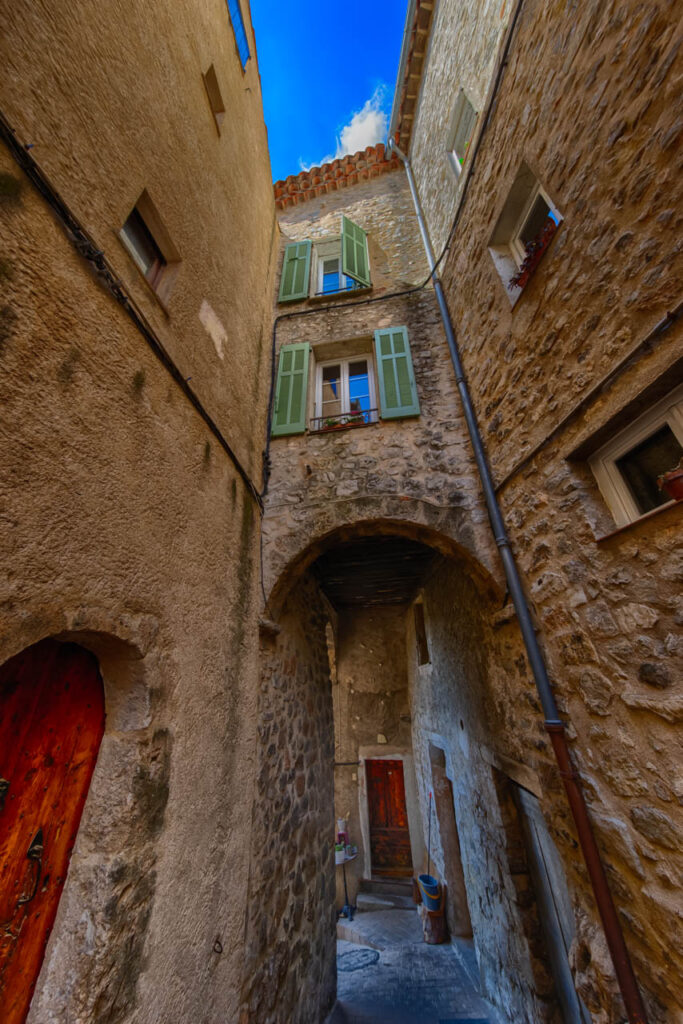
127, 527
463, 49
587, 101
417, 471
371, 710
289, 966
382, 207
474, 702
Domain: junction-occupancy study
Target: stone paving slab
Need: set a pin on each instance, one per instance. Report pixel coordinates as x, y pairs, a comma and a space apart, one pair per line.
411, 984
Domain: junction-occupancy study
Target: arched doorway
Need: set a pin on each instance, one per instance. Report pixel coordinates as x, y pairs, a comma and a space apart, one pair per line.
51, 726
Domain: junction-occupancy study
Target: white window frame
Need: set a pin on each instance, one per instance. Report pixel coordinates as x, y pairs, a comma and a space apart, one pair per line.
459, 111
328, 248
343, 364
517, 246
613, 486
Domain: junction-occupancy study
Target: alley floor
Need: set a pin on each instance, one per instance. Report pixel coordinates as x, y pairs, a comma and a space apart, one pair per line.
398, 979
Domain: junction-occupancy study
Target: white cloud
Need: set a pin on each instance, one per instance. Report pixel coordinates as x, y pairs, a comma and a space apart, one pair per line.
367, 127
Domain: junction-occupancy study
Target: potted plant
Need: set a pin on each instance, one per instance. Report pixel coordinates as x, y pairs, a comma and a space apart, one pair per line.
534, 254
339, 853
671, 482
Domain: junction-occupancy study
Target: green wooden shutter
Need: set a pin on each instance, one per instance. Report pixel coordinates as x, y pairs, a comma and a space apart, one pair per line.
355, 261
295, 270
289, 415
397, 390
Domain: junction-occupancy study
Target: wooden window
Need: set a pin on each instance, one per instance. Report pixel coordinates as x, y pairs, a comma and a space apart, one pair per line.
627, 467
397, 387
142, 247
463, 121
345, 393
149, 244
523, 232
215, 96
289, 415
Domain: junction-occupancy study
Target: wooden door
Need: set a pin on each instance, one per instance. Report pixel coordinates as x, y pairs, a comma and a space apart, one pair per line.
51, 725
389, 835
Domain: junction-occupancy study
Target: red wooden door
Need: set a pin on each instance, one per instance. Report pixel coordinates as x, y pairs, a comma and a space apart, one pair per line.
51, 724
389, 835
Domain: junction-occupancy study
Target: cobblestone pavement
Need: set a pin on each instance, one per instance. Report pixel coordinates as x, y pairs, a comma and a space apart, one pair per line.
410, 982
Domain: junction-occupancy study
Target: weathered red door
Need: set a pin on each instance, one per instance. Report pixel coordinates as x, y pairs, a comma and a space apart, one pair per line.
389, 835
51, 724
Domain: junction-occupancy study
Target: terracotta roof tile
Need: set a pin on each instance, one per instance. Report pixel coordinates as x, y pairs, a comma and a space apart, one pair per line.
349, 170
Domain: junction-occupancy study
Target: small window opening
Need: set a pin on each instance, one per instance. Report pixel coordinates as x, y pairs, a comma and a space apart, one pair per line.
629, 466
523, 232
330, 277
214, 94
642, 465
240, 32
421, 634
345, 394
149, 244
143, 248
461, 131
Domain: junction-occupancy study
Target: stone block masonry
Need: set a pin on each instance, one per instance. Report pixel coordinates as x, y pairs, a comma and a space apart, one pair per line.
587, 100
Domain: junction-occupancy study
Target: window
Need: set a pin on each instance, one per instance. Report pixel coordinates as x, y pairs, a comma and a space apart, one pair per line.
144, 236
329, 266
345, 394
239, 30
463, 121
525, 229
538, 217
352, 383
215, 97
143, 248
627, 467
328, 276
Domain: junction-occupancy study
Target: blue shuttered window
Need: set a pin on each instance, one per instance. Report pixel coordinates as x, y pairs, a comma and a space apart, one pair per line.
239, 30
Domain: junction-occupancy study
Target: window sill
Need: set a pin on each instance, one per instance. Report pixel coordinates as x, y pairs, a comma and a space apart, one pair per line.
350, 293
340, 427
641, 519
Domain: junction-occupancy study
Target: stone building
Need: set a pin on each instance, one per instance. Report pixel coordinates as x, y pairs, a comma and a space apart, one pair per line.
276, 643
137, 224
561, 275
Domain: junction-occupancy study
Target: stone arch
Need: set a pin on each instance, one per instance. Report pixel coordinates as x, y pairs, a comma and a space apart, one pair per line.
94, 955
283, 577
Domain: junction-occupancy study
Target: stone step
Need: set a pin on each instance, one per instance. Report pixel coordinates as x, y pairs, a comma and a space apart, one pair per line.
383, 901
387, 886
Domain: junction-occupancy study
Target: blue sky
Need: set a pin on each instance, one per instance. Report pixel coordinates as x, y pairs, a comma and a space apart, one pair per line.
328, 73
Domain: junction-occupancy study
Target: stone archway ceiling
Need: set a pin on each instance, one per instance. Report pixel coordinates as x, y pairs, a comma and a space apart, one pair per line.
373, 571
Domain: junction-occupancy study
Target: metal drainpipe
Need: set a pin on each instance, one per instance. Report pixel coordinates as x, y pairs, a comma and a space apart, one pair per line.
626, 979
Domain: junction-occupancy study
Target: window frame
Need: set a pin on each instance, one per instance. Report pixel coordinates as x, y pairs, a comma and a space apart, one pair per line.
343, 363
161, 276
611, 482
460, 109
328, 248
517, 246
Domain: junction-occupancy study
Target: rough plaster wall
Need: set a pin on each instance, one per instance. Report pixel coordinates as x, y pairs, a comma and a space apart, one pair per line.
114, 104
382, 207
289, 959
417, 470
371, 700
588, 101
453, 707
127, 527
463, 46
